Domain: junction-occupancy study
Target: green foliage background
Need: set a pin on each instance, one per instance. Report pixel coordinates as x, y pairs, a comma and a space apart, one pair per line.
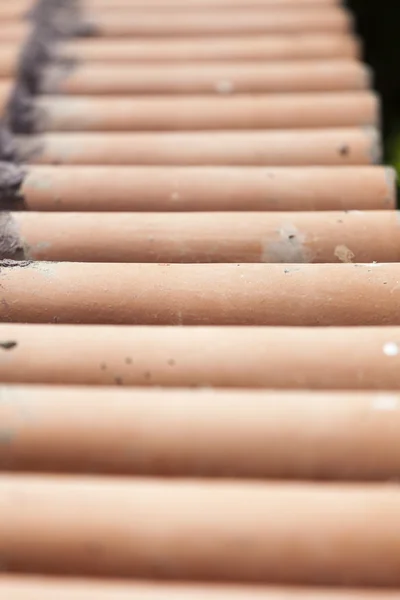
378, 24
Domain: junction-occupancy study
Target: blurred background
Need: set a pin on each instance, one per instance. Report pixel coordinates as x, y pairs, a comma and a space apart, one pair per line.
378, 24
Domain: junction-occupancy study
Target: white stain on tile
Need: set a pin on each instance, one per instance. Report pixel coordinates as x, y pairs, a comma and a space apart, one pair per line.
224, 86
344, 254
